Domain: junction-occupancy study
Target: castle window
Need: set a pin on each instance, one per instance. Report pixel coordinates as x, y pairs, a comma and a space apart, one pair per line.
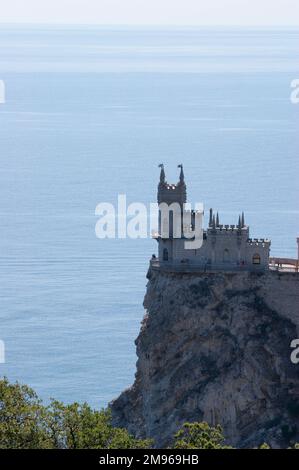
165, 254
256, 259
226, 258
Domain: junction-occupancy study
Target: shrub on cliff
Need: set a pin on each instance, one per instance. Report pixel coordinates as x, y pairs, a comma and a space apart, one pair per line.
78, 426
25, 423
264, 446
22, 418
199, 436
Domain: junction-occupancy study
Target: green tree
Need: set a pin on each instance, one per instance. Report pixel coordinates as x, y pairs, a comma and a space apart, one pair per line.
26, 423
21, 418
78, 426
264, 446
295, 446
199, 436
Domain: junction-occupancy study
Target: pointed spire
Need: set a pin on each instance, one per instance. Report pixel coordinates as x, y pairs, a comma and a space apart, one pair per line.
214, 222
211, 218
217, 220
243, 220
182, 177
162, 173
239, 223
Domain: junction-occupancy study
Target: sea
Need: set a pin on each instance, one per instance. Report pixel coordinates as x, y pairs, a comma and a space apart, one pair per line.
89, 114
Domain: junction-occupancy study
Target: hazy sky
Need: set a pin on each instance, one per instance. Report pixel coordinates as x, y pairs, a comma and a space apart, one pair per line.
201, 12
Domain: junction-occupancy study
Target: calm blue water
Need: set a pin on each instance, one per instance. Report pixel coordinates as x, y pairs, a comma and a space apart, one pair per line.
90, 112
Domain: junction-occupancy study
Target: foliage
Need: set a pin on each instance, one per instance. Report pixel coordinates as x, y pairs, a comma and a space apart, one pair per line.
295, 446
26, 423
199, 436
21, 418
264, 446
78, 426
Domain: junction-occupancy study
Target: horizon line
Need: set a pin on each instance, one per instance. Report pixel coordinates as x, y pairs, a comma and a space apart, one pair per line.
151, 25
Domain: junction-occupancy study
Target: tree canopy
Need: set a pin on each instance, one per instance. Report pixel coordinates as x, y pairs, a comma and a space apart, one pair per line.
26, 423
199, 436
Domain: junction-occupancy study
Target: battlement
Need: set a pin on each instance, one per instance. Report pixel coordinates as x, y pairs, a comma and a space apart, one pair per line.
258, 242
170, 187
222, 229
172, 193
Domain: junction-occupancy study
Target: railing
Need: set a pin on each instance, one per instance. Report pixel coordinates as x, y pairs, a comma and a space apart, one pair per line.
186, 267
284, 264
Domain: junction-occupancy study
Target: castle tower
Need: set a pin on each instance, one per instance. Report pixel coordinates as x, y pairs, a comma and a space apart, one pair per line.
170, 193
171, 200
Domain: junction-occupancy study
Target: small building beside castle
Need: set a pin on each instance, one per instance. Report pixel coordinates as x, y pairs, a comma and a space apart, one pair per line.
224, 247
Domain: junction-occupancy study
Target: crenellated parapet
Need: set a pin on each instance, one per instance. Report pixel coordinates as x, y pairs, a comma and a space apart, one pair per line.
172, 193
214, 222
259, 242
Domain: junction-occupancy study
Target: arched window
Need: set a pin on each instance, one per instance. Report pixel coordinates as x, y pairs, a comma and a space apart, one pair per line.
226, 256
165, 254
256, 259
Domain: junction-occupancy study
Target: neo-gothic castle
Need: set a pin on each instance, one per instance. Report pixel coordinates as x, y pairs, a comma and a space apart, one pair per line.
224, 247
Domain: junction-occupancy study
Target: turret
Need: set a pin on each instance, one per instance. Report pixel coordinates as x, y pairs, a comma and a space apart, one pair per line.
162, 174
211, 218
170, 193
242, 220
182, 177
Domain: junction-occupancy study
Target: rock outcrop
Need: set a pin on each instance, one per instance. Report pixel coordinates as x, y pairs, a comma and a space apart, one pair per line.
215, 347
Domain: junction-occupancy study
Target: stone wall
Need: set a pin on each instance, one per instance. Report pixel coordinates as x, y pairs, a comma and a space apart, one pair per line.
227, 248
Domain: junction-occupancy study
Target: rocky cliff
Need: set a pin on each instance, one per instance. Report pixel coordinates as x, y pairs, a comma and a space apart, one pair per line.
216, 347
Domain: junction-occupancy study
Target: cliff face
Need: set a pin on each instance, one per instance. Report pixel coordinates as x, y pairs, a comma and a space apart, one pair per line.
216, 348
